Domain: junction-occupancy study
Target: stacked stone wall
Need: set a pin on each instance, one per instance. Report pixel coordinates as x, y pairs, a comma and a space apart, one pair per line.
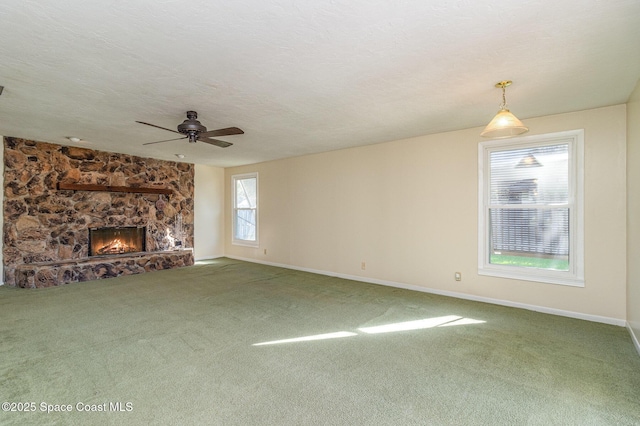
43, 224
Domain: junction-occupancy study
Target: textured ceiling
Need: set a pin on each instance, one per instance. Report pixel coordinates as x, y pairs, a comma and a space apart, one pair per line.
301, 77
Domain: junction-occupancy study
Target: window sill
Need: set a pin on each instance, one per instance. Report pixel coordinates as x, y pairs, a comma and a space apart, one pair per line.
244, 243
533, 275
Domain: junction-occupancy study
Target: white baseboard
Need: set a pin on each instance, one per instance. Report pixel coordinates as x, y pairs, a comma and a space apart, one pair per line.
635, 339
542, 309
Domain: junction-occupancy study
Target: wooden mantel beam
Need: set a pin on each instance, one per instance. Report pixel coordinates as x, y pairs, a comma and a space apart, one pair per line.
109, 188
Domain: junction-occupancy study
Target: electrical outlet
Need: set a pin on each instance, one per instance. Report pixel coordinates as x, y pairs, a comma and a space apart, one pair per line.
363, 266
458, 276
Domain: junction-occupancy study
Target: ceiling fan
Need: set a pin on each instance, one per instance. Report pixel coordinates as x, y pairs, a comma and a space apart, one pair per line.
195, 131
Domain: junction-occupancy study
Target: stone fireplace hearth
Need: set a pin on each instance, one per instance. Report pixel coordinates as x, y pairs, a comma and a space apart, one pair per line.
49, 274
46, 229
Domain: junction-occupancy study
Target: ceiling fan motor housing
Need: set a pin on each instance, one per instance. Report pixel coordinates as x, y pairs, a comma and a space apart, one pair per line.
191, 125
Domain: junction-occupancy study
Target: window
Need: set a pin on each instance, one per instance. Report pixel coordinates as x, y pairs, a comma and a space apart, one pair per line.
530, 220
245, 209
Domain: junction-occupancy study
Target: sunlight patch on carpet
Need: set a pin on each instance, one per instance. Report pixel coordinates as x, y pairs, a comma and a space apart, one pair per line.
336, 335
462, 321
445, 321
410, 325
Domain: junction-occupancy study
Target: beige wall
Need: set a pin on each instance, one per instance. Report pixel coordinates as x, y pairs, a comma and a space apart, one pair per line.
409, 210
209, 212
633, 214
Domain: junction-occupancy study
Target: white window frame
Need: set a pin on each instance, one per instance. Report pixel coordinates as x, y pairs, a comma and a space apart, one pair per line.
575, 275
234, 208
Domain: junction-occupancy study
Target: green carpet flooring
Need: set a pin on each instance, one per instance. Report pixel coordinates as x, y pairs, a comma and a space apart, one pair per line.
199, 345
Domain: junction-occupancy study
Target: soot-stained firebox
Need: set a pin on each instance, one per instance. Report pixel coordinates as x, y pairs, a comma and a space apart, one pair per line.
117, 240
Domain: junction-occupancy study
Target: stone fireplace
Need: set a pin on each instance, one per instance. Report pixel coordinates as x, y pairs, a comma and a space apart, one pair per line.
116, 240
55, 195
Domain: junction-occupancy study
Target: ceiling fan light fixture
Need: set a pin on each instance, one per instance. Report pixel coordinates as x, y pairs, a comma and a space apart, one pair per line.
504, 124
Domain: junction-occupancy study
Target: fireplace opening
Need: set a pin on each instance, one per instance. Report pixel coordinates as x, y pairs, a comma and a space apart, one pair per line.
116, 240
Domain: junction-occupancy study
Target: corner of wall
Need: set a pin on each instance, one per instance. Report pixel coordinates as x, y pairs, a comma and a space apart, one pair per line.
633, 212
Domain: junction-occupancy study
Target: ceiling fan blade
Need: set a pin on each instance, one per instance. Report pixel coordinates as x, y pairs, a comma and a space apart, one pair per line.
153, 125
222, 132
216, 142
168, 140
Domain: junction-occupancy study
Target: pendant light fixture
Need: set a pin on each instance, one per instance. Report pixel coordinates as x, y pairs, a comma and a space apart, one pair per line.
504, 124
